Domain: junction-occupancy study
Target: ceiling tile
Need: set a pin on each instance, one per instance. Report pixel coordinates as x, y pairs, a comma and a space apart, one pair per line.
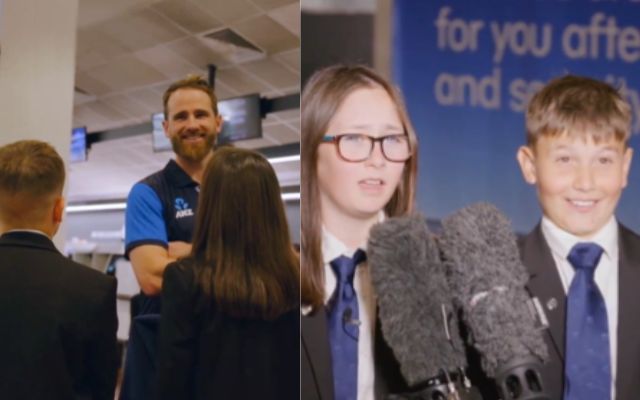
228, 11
188, 15
273, 73
126, 105
196, 53
148, 98
240, 81
267, 34
223, 91
161, 87
126, 72
288, 16
92, 12
166, 61
90, 85
290, 59
141, 29
87, 114
95, 47
288, 115
269, 4
129, 52
271, 119
232, 46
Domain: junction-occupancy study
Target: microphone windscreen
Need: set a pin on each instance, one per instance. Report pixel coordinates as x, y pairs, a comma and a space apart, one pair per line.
411, 287
488, 280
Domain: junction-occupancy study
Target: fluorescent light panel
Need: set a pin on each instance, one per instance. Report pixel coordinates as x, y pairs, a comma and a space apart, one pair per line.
121, 205
277, 160
290, 196
96, 207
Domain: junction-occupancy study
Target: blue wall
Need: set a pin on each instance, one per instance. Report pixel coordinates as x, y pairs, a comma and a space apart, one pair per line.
467, 78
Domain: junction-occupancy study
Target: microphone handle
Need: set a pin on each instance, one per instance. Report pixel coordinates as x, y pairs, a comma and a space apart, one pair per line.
521, 379
437, 389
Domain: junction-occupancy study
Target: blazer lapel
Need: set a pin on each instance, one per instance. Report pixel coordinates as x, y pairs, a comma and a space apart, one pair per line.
628, 352
315, 346
544, 283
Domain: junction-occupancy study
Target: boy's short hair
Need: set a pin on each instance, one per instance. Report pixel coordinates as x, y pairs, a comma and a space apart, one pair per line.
579, 106
190, 82
31, 176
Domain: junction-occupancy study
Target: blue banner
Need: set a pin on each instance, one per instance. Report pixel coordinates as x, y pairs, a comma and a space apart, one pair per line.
467, 70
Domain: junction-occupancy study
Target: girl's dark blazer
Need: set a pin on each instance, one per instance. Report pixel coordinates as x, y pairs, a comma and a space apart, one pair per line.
317, 374
205, 354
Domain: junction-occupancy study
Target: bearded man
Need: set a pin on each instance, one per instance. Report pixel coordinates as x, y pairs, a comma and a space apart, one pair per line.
161, 208
159, 221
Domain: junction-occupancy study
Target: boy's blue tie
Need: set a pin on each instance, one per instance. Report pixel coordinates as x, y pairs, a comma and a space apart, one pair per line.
343, 327
587, 363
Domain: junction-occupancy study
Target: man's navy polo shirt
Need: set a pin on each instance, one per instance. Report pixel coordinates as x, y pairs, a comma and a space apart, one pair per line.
161, 208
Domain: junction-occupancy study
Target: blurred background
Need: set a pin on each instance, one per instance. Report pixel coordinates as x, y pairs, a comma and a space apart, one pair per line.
88, 77
467, 70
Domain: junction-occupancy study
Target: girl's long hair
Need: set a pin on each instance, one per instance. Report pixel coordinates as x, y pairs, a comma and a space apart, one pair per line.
241, 244
324, 93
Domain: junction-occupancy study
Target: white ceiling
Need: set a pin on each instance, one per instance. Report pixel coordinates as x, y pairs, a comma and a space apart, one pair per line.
129, 51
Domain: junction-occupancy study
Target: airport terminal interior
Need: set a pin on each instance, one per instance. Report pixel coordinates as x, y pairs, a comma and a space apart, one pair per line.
128, 52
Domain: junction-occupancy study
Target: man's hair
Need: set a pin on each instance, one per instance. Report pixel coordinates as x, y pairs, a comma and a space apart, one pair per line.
31, 177
190, 82
578, 106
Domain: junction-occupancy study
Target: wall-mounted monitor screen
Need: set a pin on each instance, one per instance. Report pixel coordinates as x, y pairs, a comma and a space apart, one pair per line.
242, 119
79, 144
160, 141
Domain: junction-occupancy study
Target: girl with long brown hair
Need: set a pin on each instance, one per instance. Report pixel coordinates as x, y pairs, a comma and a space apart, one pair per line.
230, 316
359, 165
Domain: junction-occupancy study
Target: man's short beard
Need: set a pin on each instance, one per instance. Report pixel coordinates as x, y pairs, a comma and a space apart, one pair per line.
193, 152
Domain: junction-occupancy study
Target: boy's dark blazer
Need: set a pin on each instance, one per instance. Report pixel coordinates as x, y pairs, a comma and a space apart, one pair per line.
58, 330
544, 283
317, 373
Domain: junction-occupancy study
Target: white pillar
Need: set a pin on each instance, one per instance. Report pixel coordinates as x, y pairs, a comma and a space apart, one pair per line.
37, 67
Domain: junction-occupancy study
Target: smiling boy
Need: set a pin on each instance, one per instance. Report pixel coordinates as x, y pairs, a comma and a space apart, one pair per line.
584, 265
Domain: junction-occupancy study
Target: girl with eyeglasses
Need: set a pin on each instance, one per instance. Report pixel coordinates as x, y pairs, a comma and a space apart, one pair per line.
359, 163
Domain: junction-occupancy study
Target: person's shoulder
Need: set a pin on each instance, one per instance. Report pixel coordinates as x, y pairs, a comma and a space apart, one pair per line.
87, 274
154, 181
524, 239
628, 232
183, 269
82, 285
146, 192
630, 240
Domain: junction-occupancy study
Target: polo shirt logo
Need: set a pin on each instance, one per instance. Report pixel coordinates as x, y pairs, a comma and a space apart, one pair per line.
182, 208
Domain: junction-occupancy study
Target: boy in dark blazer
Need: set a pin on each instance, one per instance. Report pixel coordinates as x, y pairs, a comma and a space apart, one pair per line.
584, 265
58, 331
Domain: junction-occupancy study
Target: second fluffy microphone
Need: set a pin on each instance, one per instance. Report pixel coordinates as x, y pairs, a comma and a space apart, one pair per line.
488, 281
415, 308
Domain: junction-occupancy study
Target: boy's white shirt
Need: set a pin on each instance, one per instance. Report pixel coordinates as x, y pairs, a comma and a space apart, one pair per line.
606, 275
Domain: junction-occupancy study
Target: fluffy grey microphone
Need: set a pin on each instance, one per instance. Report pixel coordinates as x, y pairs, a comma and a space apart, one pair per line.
488, 280
411, 288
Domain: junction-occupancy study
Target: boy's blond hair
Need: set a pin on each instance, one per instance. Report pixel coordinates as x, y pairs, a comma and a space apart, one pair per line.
581, 107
